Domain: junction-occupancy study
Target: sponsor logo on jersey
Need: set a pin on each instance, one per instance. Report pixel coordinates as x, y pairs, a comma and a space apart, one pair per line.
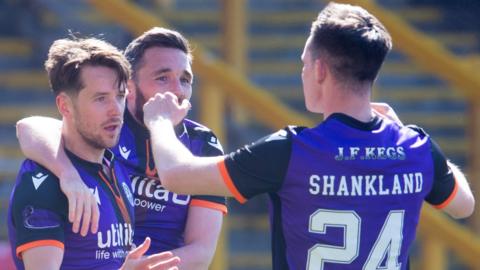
119, 234
124, 152
151, 189
38, 179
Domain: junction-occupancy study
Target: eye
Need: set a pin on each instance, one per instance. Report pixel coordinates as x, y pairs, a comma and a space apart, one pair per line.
185, 81
100, 99
162, 78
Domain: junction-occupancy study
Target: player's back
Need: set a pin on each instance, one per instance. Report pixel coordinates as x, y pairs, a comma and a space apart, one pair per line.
352, 195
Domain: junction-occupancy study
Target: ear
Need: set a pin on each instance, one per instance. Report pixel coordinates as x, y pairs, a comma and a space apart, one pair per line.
132, 91
321, 70
64, 104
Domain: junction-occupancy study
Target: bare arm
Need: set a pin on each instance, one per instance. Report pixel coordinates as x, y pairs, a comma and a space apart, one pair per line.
180, 171
43, 257
40, 140
201, 236
463, 202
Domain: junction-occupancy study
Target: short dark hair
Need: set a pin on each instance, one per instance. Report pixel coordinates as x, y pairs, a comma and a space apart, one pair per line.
66, 58
155, 37
352, 41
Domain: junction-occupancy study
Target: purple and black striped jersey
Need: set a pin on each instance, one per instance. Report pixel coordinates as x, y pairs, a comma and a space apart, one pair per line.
159, 213
38, 214
344, 194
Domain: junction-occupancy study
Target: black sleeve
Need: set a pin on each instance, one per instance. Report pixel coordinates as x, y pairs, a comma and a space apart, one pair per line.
39, 208
444, 180
211, 147
261, 167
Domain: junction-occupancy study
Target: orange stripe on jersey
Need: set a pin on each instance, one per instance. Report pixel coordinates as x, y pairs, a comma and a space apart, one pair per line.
449, 199
38, 243
228, 181
207, 204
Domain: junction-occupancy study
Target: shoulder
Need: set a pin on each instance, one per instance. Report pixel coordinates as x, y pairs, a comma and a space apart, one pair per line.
37, 187
34, 182
196, 129
274, 148
205, 136
282, 137
35, 176
417, 130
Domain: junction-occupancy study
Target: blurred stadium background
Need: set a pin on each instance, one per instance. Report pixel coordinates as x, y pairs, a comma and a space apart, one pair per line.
247, 67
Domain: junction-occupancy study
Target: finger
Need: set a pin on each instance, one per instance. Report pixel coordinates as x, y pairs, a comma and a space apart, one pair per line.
186, 105
166, 264
170, 95
78, 215
379, 107
86, 216
72, 206
159, 96
95, 216
140, 250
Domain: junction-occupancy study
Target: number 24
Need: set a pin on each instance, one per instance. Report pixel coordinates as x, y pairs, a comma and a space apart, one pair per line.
389, 240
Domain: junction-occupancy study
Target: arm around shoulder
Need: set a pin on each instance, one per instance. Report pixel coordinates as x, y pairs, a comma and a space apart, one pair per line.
39, 143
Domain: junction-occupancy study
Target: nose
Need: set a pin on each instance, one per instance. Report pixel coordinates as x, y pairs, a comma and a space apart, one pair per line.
116, 108
177, 89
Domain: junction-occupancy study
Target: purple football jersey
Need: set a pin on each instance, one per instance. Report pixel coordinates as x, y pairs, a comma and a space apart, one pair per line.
159, 213
344, 194
38, 215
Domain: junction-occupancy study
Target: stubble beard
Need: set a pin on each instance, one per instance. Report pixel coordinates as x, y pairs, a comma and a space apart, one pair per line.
140, 100
94, 140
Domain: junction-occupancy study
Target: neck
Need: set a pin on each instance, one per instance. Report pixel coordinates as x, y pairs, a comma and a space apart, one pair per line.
75, 143
354, 102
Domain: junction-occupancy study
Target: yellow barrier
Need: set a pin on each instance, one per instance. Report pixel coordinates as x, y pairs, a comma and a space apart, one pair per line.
436, 227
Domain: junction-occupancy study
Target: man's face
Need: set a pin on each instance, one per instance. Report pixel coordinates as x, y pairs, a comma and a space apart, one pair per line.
162, 70
98, 108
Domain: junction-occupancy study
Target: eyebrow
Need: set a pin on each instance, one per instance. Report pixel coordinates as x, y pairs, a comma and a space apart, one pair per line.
100, 93
186, 73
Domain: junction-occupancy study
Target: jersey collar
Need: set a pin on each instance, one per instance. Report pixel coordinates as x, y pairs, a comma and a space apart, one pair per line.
373, 124
93, 167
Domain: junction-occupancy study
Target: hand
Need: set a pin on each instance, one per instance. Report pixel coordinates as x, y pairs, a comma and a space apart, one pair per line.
165, 106
384, 110
159, 261
82, 204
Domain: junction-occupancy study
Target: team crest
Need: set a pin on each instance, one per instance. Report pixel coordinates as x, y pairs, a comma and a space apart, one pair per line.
129, 194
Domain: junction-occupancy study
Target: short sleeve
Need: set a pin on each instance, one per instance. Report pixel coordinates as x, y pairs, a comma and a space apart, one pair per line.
444, 185
259, 167
39, 211
210, 146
